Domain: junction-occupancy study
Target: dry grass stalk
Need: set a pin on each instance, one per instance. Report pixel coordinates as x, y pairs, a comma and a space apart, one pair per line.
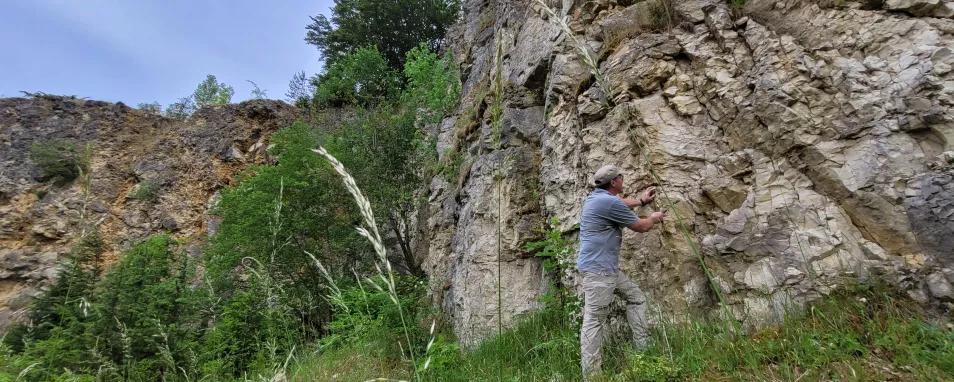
370, 232
581, 48
336, 296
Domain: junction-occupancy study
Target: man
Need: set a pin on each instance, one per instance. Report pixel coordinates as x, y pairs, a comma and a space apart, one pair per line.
604, 215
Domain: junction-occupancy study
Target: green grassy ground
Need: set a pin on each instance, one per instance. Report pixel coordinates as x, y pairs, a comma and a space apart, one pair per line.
859, 334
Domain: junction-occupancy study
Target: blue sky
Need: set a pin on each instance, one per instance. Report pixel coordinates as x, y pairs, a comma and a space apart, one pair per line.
142, 51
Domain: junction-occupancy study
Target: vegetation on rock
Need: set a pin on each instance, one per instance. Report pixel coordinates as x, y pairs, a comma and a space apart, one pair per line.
255, 296
302, 282
59, 161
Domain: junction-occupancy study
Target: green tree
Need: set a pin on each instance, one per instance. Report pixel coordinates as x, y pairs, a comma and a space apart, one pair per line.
258, 93
383, 149
212, 92
140, 322
147, 311
269, 220
433, 83
360, 78
152, 108
294, 201
181, 109
300, 90
394, 27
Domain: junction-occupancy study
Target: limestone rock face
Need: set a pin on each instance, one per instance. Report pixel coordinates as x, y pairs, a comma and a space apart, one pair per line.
801, 143
185, 162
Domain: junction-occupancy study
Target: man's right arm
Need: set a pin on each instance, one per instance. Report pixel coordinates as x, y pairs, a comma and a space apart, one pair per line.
644, 225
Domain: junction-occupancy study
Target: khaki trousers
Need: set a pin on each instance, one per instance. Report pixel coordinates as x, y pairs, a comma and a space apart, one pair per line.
598, 294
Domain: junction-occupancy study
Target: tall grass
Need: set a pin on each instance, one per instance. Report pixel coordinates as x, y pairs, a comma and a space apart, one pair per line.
582, 51
496, 111
857, 330
860, 332
369, 231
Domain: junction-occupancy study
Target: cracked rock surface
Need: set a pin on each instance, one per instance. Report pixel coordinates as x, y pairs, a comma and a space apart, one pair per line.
803, 144
186, 162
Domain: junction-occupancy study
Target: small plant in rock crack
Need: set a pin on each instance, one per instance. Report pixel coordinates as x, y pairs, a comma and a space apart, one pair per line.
147, 191
58, 160
663, 16
450, 168
557, 253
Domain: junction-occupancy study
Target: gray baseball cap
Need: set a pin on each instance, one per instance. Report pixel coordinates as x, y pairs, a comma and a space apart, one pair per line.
605, 174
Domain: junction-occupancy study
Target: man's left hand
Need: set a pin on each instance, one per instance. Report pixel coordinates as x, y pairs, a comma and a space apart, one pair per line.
648, 196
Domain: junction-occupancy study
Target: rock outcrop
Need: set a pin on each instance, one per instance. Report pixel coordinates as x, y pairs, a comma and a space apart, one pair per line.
183, 163
802, 144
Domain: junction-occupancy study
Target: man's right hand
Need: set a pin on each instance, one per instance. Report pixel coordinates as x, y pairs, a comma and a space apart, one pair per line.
644, 225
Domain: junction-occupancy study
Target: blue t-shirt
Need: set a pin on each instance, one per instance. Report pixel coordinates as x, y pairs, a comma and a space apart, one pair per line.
601, 223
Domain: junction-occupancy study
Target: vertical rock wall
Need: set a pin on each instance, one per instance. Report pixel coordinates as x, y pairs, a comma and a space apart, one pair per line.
801, 143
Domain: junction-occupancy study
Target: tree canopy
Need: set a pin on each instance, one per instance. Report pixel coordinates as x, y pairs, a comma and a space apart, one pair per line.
394, 27
360, 78
208, 92
212, 92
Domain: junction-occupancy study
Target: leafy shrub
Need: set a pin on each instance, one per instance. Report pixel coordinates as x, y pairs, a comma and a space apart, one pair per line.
256, 327
642, 367
433, 83
180, 109
146, 191
296, 199
151, 108
557, 253
360, 78
139, 322
275, 296
208, 92
368, 315
58, 160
